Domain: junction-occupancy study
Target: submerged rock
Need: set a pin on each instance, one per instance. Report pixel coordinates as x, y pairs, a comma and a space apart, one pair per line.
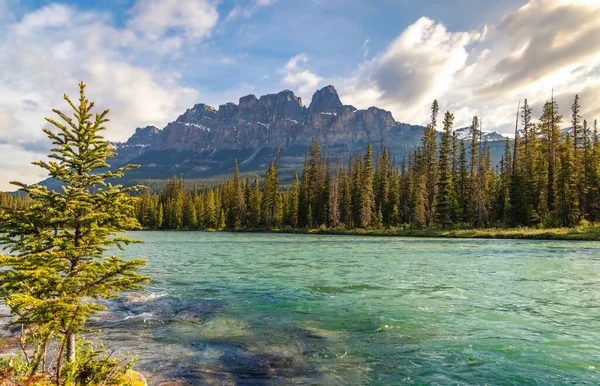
174, 382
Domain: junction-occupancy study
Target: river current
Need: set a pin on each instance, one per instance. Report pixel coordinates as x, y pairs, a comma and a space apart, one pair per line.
275, 309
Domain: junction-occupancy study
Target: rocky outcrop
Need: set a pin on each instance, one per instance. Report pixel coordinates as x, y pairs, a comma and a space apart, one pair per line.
144, 136
326, 100
140, 142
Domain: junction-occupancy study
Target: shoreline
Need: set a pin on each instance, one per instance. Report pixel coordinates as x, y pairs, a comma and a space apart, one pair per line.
583, 233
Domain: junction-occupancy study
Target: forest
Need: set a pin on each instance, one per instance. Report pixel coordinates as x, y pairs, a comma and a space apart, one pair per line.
547, 177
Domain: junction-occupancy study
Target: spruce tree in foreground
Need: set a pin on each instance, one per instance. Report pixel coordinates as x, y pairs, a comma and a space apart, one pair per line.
57, 268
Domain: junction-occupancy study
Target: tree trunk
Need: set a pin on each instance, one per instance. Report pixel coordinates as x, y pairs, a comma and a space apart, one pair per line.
71, 347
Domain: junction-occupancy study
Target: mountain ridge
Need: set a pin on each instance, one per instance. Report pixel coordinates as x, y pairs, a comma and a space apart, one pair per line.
204, 141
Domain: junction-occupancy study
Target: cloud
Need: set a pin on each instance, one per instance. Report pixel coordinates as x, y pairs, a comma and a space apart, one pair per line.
419, 65
134, 96
365, 48
5, 121
248, 10
117, 64
544, 44
542, 39
51, 16
16, 166
297, 76
157, 18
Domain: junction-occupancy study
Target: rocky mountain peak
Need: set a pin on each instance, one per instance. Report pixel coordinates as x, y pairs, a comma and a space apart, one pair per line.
144, 135
197, 113
284, 104
248, 101
325, 100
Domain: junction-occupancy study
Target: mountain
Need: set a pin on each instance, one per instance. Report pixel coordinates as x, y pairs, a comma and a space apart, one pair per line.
204, 141
465, 135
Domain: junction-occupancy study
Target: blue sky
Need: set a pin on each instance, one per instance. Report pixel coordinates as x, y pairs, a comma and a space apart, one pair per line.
149, 60
239, 53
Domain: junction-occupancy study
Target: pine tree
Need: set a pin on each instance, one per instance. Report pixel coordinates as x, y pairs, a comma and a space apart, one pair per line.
503, 189
367, 206
594, 176
455, 167
57, 269
294, 201
255, 205
444, 204
477, 206
429, 166
463, 184
304, 196
578, 144
357, 189
270, 202
526, 193
345, 195
549, 127
334, 205
190, 217
567, 208
392, 205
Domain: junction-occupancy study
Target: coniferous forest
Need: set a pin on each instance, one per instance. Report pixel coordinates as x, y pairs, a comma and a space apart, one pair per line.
547, 177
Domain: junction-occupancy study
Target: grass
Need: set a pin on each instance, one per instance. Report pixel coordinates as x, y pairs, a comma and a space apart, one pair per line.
584, 232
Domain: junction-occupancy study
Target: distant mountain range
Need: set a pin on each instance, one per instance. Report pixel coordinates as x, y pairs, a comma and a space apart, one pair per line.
203, 142
464, 134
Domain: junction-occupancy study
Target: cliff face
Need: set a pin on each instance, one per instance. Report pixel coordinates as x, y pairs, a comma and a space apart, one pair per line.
203, 141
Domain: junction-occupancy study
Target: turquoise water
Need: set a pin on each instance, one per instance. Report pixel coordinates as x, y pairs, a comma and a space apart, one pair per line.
269, 309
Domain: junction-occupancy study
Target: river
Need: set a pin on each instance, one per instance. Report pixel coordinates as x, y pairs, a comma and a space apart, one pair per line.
275, 309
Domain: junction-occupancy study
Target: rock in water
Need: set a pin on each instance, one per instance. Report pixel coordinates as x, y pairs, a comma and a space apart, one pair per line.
133, 378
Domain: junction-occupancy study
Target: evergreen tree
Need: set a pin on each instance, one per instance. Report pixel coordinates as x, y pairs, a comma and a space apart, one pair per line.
345, 195
567, 210
238, 202
57, 270
294, 201
463, 184
367, 196
549, 126
444, 199
255, 205
478, 207
429, 166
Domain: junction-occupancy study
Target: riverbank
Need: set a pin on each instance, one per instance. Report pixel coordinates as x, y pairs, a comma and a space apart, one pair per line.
582, 233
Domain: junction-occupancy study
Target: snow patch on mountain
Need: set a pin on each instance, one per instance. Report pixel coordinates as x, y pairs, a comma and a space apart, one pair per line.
464, 134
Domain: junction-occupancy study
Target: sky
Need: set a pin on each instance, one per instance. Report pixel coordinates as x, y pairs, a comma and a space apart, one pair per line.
150, 60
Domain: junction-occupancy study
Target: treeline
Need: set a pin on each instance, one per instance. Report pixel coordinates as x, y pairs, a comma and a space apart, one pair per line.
545, 178
14, 201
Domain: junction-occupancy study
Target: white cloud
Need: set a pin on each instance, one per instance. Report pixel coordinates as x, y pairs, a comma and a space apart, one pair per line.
295, 75
16, 166
365, 48
419, 65
47, 52
52, 16
247, 10
5, 121
157, 18
134, 96
544, 44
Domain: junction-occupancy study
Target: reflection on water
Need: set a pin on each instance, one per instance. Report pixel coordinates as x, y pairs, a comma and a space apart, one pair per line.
252, 309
